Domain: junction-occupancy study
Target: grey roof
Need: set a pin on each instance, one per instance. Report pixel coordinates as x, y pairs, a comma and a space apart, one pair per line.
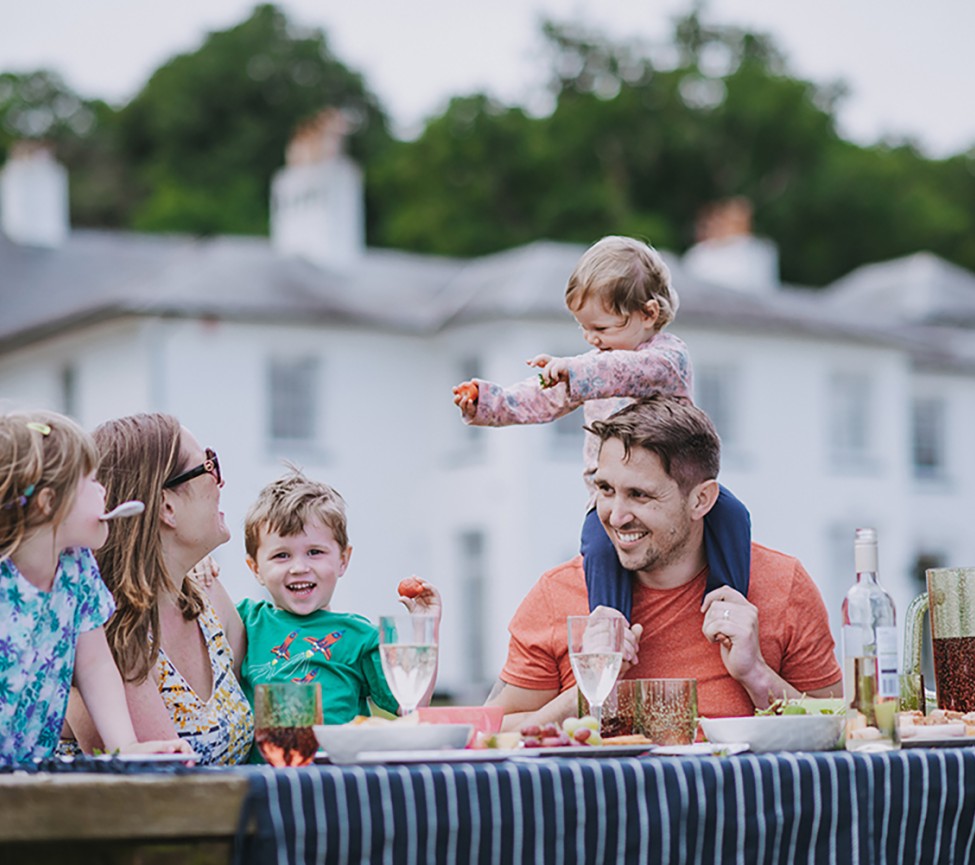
98, 275
921, 289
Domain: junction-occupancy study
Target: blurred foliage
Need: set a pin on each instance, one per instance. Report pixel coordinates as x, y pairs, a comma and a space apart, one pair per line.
635, 140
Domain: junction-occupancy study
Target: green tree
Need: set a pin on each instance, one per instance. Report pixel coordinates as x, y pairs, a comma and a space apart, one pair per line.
209, 129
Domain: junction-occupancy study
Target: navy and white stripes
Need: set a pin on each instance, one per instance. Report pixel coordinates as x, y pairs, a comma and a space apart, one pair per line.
836, 807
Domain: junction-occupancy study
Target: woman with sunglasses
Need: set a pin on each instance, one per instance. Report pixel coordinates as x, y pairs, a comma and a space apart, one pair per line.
177, 643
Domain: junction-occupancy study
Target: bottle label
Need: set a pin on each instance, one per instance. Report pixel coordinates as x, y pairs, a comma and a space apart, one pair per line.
889, 684
855, 641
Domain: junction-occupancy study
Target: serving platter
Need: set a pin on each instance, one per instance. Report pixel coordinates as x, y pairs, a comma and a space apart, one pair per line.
443, 755
701, 749
590, 751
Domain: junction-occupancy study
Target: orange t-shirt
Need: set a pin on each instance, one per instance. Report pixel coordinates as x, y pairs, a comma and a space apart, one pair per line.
793, 629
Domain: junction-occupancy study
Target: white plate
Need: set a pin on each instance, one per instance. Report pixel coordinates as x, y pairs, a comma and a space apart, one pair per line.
344, 743
918, 732
446, 755
765, 733
701, 749
593, 751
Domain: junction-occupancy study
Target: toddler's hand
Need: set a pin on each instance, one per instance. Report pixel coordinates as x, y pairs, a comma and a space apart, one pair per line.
465, 398
553, 369
419, 596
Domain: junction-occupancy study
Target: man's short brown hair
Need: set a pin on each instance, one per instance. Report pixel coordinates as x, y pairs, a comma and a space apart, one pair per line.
677, 431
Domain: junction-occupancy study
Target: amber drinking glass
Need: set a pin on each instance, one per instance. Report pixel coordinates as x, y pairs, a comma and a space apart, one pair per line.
284, 716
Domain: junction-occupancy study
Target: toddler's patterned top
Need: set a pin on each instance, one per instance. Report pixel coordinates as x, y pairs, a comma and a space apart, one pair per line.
221, 729
38, 635
602, 382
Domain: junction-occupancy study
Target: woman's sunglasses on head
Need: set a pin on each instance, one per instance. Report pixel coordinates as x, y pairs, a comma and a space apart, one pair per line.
211, 465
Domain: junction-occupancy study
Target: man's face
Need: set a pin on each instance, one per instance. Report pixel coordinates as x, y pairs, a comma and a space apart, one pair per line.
647, 517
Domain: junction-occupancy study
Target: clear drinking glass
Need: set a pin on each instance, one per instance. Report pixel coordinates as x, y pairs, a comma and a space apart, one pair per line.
596, 653
408, 651
284, 715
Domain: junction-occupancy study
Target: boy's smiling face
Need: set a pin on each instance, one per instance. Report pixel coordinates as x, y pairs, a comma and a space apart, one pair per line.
300, 571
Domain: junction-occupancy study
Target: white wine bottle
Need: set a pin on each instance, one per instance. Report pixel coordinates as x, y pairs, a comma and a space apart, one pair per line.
871, 685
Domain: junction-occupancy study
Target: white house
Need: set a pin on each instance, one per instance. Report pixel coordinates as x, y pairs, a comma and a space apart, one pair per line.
841, 408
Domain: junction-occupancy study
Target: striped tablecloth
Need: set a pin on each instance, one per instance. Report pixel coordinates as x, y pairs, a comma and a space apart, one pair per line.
907, 806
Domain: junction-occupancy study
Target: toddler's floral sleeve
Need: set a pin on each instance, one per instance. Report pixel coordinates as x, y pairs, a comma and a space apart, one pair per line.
659, 367
526, 402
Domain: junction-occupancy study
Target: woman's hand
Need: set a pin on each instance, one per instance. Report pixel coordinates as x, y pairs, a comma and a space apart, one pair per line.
158, 746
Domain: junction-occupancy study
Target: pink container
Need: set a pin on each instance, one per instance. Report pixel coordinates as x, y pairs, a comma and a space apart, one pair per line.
485, 719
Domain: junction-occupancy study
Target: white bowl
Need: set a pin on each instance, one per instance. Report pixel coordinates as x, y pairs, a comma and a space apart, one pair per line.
777, 732
344, 743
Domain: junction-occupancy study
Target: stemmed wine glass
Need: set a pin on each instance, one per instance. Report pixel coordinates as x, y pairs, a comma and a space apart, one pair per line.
408, 651
596, 653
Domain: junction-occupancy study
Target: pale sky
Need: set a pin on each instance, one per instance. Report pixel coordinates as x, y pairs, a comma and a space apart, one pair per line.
909, 65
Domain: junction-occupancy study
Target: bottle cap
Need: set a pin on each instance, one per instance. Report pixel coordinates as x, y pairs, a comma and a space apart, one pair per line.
865, 550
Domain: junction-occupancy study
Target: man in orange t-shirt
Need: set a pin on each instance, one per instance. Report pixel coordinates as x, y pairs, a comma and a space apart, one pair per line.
655, 481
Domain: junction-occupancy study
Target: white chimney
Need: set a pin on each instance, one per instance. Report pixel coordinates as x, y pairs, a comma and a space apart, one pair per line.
34, 196
727, 253
317, 208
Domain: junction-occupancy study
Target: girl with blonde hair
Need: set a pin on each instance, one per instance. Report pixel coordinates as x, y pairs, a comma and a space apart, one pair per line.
53, 605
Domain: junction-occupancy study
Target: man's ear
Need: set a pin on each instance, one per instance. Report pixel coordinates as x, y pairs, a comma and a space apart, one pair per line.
702, 498
167, 513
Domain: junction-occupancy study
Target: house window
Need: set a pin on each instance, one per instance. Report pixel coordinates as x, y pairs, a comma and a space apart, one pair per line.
715, 393
472, 605
293, 399
850, 401
929, 436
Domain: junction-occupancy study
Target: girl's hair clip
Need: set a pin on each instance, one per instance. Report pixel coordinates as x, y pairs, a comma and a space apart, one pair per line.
21, 500
37, 426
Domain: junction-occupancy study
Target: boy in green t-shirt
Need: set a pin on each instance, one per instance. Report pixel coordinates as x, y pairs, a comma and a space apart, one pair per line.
297, 546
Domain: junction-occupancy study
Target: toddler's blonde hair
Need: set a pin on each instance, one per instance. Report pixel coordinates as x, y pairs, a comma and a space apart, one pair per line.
624, 273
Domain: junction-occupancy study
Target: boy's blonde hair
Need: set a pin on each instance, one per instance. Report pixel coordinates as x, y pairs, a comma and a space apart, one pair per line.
624, 273
39, 450
286, 505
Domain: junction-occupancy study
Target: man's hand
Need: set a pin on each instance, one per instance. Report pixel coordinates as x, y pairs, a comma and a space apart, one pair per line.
631, 637
729, 619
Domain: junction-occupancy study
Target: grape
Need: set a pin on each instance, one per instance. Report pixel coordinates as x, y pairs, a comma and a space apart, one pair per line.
582, 735
590, 722
531, 730
570, 725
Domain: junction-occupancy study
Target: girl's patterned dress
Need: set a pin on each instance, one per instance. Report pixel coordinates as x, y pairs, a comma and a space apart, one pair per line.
220, 730
38, 635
